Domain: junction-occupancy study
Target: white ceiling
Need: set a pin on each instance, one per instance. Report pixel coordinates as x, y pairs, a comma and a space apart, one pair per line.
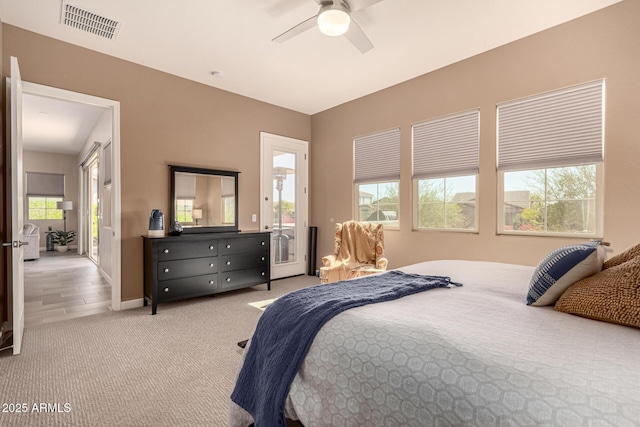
55, 125
311, 72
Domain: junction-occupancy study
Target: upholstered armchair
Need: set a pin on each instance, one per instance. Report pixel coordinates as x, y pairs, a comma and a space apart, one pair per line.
31, 234
358, 250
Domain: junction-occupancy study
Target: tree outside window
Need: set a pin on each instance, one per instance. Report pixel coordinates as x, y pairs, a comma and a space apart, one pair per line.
183, 211
447, 203
43, 208
379, 203
551, 200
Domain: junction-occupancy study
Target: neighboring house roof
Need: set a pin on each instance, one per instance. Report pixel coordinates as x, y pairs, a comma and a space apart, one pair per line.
464, 197
521, 198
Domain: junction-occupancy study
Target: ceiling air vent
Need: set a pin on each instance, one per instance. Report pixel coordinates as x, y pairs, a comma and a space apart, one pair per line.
84, 20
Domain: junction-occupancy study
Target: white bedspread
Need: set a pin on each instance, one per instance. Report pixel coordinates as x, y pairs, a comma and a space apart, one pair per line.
470, 356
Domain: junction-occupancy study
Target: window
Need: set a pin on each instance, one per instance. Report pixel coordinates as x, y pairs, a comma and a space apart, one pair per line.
185, 194
445, 170
42, 207
447, 203
550, 163
183, 211
377, 178
229, 206
380, 203
43, 191
228, 191
551, 200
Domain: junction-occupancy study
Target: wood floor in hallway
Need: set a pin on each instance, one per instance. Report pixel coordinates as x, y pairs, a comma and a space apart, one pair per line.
60, 286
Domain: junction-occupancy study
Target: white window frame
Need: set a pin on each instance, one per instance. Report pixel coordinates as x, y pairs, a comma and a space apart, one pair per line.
458, 131
416, 215
388, 224
384, 168
599, 207
549, 114
186, 211
28, 208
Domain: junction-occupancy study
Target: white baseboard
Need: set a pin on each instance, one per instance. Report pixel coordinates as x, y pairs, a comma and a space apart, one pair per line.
132, 303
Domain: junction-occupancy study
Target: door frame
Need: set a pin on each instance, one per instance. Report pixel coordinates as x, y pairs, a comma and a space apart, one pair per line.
86, 198
114, 107
302, 175
15, 186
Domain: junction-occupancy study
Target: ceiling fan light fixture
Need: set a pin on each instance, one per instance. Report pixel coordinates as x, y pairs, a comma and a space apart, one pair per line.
334, 19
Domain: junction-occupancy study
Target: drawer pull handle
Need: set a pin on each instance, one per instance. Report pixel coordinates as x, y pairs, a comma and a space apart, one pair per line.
166, 289
211, 264
263, 273
211, 282
262, 259
211, 247
228, 262
166, 251
228, 246
262, 243
228, 279
166, 270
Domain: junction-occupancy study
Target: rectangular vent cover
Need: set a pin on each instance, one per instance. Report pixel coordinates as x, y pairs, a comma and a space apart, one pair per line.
84, 20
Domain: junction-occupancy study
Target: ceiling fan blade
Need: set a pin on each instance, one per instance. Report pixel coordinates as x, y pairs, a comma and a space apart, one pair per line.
360, 4
354, 4
358, 38
298, 29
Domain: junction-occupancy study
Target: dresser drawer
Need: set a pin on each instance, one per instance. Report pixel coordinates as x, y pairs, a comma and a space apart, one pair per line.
187, 267
244, 244
242, 261
181, 250
199, 264
240, 278
187, 287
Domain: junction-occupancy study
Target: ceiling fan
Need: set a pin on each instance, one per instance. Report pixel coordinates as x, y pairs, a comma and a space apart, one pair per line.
334, 19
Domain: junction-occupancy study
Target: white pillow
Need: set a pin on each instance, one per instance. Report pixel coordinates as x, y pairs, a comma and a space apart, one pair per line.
28, 229
562, 268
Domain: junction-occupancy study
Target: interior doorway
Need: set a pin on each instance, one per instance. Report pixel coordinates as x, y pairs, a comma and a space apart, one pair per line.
109, 246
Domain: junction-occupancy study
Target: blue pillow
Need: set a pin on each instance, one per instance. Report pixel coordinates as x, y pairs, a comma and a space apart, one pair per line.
561, 268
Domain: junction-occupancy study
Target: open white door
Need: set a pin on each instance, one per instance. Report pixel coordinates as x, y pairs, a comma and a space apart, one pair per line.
284, 207
15, 188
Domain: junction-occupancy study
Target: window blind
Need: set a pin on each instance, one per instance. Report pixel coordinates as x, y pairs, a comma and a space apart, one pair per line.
447, 146
228, 186
185, 186
377, 157
559, 128
45, 184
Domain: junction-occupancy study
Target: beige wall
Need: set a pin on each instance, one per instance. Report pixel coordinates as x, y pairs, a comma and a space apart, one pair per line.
605, 44
34, 161
168, 120
164, 120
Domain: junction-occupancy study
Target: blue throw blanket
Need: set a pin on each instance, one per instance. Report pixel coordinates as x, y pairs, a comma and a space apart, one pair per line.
288, 326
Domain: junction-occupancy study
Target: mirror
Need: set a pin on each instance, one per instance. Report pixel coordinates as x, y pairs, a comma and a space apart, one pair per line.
204, 200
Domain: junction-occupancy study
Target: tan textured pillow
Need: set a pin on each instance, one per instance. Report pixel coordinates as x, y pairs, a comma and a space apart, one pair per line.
613, 295
632, 252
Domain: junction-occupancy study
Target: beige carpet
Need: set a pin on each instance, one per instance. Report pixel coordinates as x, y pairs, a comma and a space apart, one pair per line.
129, 368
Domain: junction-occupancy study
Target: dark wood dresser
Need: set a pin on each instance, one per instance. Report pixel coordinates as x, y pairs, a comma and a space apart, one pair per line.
192, 265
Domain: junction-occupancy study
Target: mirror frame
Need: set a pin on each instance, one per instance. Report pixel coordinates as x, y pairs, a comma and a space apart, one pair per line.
209, 229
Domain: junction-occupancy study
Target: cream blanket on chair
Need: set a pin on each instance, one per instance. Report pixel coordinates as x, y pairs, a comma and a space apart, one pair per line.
357, 249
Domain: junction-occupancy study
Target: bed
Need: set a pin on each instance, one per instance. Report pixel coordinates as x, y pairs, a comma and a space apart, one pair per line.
476, 355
